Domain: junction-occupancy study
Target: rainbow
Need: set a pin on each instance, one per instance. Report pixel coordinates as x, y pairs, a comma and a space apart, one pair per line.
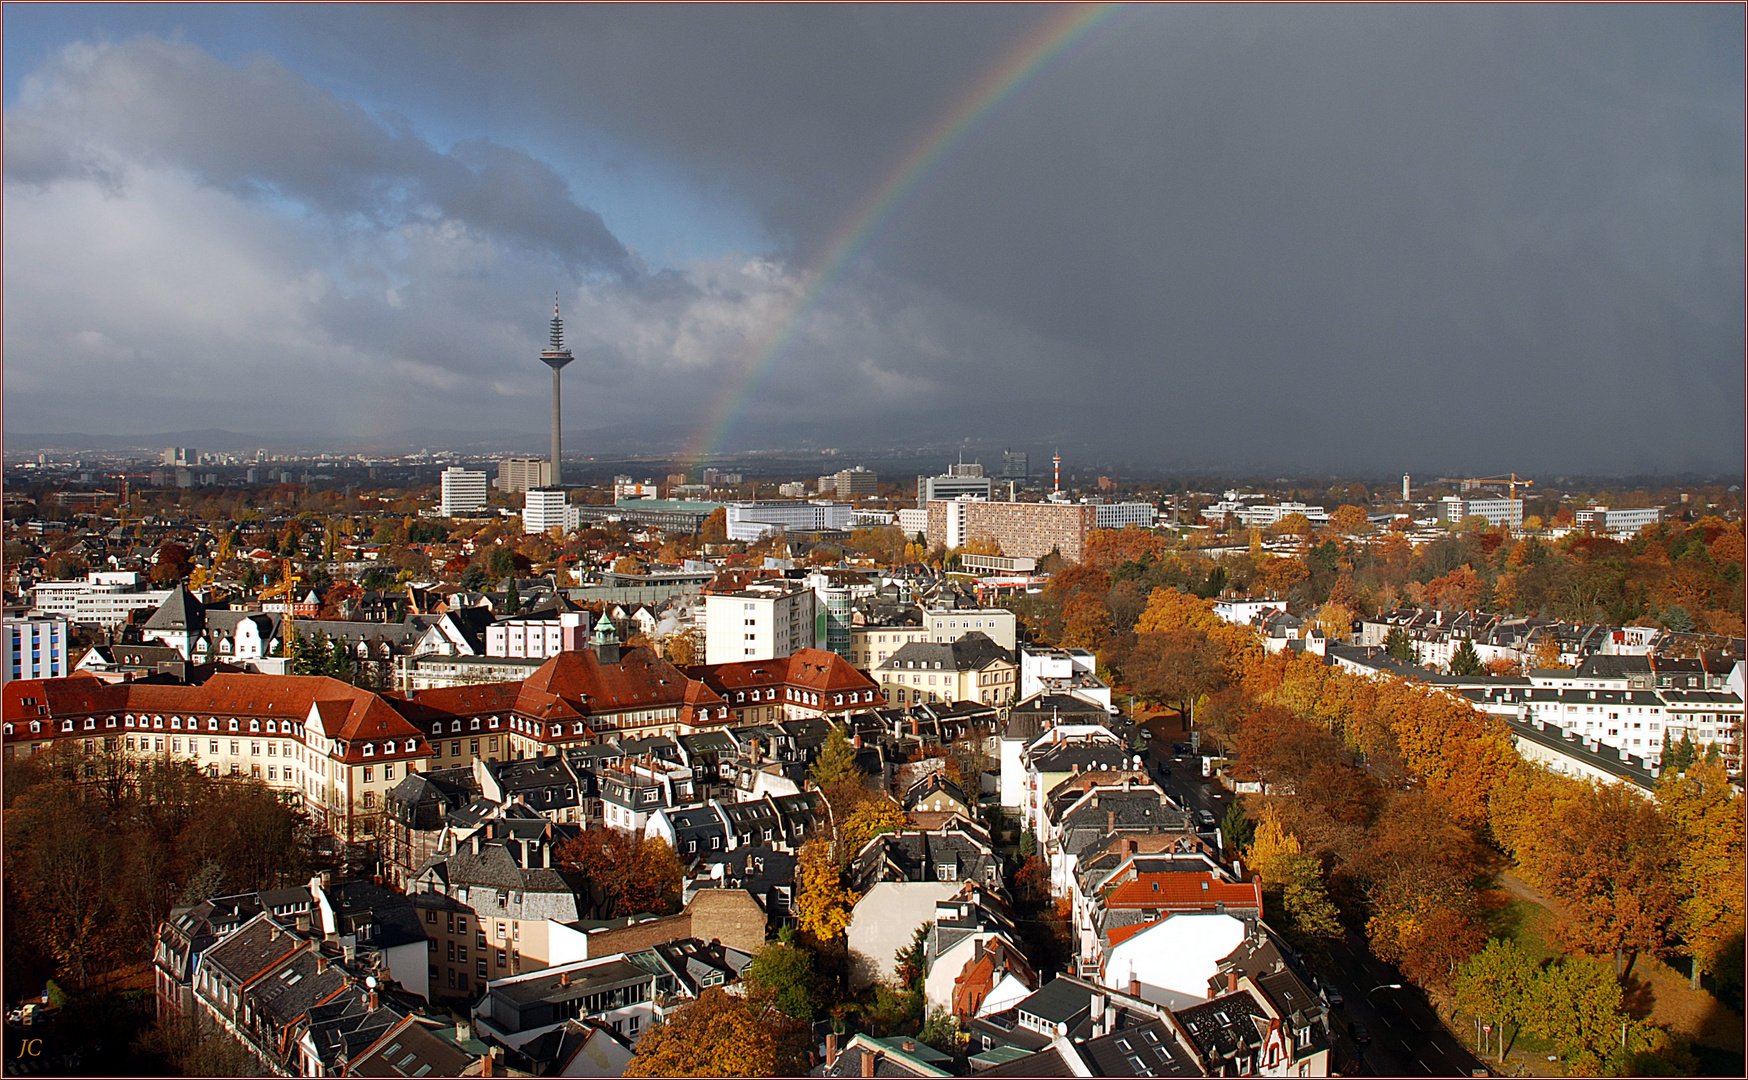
851, 237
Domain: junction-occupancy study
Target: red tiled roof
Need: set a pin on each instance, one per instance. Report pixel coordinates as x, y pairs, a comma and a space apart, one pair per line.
806, 669
1184, 891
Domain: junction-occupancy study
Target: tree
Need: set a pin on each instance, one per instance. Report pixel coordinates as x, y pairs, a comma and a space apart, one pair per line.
1681, 756
1176, 668
682, 649
721, 1035
1496, 983
822, 903
501, 562
714, 530
513, 600
1578, 1009
628, 875
869, 819
1465, 661
1235, 827
1398, 644
1546, 655
913, 959
784, 973
1706, 834
836, 762
474, 579
1336, 622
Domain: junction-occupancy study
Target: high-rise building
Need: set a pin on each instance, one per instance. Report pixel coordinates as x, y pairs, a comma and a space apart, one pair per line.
519, 474
763, 622
556, 357
182, 455
463, 492
1404, 487
1014, 466
544, 509
960, 479
850, 483
34, 649
1027, 530
752, 520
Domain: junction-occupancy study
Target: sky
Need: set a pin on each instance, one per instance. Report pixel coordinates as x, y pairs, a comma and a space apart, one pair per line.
1476, 238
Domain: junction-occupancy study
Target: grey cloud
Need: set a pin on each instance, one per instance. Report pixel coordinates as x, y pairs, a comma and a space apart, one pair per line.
260, 128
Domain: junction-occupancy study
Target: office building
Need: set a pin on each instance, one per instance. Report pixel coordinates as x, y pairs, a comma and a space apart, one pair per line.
753, 520
519, 474
850, 483
463, 491
104, 598
34, 649
184, 456
1625, 520
1124, 515
1498, 511
761, 622
1026, 530
960, 479
1015, 466
545, 509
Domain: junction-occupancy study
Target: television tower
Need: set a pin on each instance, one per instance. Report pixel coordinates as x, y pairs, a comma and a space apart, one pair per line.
556, 357
1056, 464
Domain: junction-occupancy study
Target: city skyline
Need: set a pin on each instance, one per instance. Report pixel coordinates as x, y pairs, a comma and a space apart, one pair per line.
1294, 239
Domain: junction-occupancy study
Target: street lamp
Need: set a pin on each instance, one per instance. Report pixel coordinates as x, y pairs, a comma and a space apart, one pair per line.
1383, 986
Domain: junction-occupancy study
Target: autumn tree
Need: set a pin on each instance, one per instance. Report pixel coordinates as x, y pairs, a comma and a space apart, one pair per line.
822, 902
625, 874
722, 1035
1704, 814
1336, 621
1350, 520
682, 649
1465, 661
714, 529
870, 818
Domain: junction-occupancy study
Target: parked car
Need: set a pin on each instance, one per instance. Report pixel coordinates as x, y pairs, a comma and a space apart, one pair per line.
1359, 1033
1205, 818
1333, 996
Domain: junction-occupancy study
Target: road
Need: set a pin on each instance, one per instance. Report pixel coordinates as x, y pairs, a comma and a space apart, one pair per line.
1407, 1037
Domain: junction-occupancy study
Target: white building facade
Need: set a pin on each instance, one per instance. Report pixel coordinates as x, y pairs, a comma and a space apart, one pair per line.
752, 521
105, 598
34, 649
1125, 515
463, 492
545, 509
759, 623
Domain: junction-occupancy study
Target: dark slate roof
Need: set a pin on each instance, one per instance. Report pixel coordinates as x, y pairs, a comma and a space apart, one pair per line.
1225, 1027
1147, 1049
410, 1049
919, 856
972, 652
293, 988
252, 948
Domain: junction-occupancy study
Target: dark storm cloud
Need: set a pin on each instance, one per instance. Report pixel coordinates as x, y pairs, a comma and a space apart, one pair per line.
1384, 237
260, 128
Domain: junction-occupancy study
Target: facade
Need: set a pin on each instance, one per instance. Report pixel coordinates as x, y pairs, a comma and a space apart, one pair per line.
751, 521
850, 483
104, 598
545, 509
34, 649
537, 638
808, 683
333, 748
1262, 515
1626, 520
1027, 530
463, 491
971, 668
1498, 511
519, 474
1139, 515
759, 623
1015, 466
966, 480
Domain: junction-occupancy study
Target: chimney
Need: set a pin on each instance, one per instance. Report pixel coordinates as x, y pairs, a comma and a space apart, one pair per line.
546, 856
476, 843
831, 1049
372, 1000
870, 1058
1232, 980
1110, 821
486, 1065
1131, 846
1110, 1016
1096, 1010
1134, 987
321, 963
564, 978
463, 1031
908, 1046
976, 950
856, 741
915, 730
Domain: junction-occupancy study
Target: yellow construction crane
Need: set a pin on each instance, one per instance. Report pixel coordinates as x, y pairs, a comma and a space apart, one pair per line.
287, 585
1509, 479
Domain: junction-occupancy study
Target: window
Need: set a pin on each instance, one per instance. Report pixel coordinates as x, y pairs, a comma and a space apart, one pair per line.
369, 774
388, 772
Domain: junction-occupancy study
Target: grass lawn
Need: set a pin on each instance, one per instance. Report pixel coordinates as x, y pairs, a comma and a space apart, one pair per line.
1531, 925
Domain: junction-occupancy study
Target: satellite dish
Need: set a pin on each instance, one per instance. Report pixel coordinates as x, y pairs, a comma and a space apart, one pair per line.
370, 982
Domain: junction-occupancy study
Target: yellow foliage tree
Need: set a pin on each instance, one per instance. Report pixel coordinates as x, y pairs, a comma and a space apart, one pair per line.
723, 1035
822, 906
1705, 815
868, 820
1271, 845
1336, 622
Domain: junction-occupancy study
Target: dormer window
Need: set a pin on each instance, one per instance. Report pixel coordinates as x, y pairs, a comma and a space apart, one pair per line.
66, 725
455, 726
35, 727
254, 725
369, 750
233, 723
270, 727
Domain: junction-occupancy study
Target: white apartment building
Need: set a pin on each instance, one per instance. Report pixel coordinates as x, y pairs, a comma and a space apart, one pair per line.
761, 623
34, 649
1062, 671
537, 638
544, 509
1453, 508
1626, 520
1123, 515
624, 487
913, 522
463, 492
1263, 515
754, 520
104, 598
